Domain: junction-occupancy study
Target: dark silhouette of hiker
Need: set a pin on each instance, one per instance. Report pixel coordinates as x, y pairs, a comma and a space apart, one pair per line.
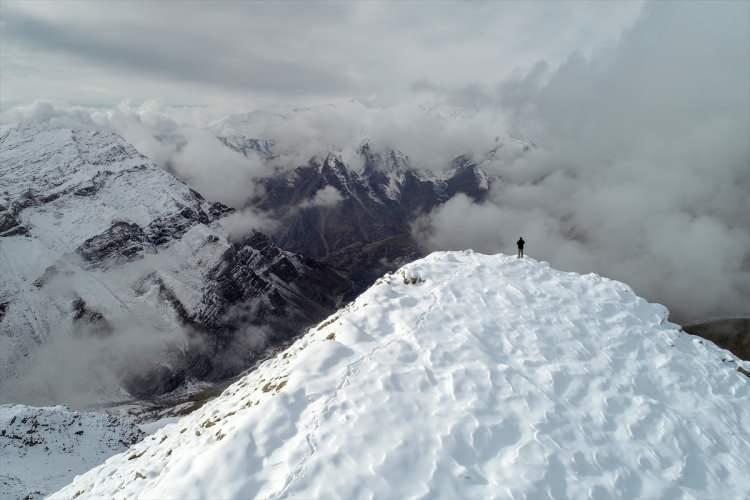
520, 244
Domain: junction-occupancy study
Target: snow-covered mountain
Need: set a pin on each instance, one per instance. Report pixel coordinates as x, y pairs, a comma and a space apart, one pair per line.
357, 213
350, 199
101, 247
464, 376
42, 449
372, 193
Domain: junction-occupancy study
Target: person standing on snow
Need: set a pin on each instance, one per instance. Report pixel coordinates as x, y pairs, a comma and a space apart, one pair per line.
520, 244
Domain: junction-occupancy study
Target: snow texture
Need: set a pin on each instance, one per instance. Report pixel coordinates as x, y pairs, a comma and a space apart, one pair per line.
464, 376
42, 449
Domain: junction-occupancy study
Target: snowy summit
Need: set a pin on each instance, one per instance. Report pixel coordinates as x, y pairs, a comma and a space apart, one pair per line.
464, 376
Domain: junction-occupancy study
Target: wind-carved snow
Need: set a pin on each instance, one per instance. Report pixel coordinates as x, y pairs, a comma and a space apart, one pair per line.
464, 376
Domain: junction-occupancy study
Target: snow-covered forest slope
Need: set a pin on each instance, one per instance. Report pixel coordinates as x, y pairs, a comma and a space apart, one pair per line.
464, 376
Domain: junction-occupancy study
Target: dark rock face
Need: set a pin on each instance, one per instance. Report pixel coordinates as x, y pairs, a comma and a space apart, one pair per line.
153, 381
218, 210
9, 225
125, 241
248, 146
466, 179
258, 296
90, 322
368, 232
164, 229
292, 287
732, 334
122, 242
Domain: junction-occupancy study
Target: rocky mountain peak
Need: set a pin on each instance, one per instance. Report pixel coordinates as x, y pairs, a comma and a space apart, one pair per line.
368, 230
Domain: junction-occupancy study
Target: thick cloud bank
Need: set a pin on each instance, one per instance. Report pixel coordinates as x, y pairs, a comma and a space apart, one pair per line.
643, 170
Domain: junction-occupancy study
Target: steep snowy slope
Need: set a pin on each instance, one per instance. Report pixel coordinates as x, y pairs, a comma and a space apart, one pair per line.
101, 248
464, 376
41, 449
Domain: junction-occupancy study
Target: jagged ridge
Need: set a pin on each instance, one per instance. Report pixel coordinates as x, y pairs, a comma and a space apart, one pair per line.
368, 232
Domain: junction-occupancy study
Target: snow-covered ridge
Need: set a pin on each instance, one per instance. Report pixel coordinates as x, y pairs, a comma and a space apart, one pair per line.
41, 449
464, 376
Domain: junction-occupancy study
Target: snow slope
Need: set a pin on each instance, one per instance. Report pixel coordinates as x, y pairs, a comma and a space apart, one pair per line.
111, 265
41, 449
464, 376
66, 186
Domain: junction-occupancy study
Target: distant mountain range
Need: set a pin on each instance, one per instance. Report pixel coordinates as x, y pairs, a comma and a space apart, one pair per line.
364, 227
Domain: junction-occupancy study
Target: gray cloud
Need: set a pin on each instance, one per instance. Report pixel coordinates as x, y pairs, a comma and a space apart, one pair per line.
245, 52
644, 165
85, 362
243, 222
153, 51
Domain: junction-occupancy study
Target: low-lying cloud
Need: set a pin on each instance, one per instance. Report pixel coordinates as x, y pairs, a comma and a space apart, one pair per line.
244, 222
328, 196
116, 337
643, 168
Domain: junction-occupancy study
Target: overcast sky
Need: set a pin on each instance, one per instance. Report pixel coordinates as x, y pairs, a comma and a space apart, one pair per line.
246, 54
